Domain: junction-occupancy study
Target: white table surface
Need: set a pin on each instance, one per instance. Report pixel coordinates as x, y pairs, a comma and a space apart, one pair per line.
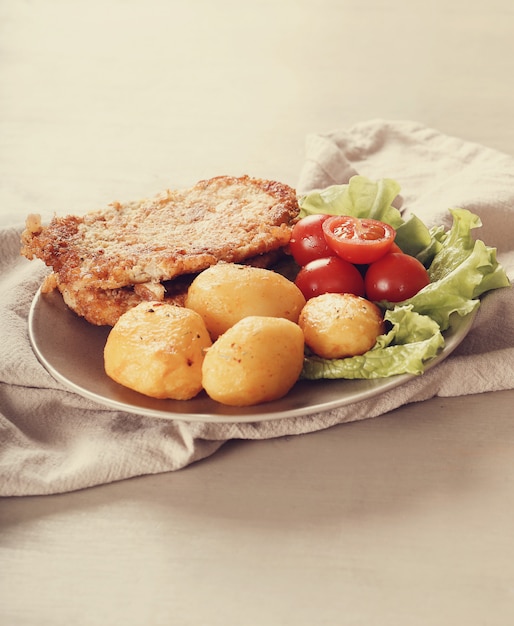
401, 520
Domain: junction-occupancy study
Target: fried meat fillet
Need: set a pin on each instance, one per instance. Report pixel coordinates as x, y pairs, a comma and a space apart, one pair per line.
107, 261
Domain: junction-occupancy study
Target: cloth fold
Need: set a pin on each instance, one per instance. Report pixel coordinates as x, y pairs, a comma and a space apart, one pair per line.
53, 441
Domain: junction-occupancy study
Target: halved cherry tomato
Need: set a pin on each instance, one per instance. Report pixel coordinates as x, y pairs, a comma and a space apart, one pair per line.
395, 277
308, 241
329, 275
358, 240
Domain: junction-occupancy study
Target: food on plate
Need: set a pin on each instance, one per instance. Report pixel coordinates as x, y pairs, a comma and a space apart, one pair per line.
107, 261
346, 254
412, 340
157, 349
257, 360
339, 325
308, 240
329, 275
460, 267
395, 277
334, 251
358, 240
183, 280
225, 293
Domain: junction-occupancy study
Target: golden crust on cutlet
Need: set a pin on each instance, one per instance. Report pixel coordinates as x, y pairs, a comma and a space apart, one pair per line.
103, 307
109, 260
177, 232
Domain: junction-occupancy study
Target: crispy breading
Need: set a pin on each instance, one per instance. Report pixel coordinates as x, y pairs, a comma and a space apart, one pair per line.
103, 307
109, 260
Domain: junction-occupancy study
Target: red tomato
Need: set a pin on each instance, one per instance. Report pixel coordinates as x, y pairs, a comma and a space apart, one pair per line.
395, 248
360, 241
308, 241
395, 277
329, 275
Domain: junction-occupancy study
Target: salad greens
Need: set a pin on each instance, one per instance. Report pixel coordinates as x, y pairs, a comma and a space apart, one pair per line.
461, 269
361, 197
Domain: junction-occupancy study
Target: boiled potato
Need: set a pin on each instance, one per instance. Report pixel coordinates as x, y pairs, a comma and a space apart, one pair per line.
257, 360
339, 325
157, 349
225, 293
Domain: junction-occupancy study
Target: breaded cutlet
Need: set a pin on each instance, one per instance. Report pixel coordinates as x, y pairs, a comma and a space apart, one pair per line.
106, 261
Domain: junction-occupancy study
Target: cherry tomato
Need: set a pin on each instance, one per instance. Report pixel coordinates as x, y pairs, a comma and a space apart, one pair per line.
395, 248
395, 277
308, 241
329, 275
358, 240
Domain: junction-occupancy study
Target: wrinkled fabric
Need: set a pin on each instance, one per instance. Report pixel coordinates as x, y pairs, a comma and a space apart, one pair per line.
53, 440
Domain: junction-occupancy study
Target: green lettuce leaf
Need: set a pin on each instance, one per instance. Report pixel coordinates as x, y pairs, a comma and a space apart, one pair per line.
361, 197
462, 270
416, 239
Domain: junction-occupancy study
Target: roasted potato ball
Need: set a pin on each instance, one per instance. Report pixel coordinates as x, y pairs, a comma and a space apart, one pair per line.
158, 349
339, 325
257, 360
226, 293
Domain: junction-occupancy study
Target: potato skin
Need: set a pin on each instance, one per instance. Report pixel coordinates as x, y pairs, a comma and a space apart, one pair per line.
257, 360
339, 325
226, 293
157, 349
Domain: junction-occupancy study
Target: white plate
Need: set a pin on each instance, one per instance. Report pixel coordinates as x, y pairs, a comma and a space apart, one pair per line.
71, 349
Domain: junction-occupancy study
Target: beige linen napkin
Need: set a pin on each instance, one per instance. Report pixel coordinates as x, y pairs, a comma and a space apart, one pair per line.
52, 440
